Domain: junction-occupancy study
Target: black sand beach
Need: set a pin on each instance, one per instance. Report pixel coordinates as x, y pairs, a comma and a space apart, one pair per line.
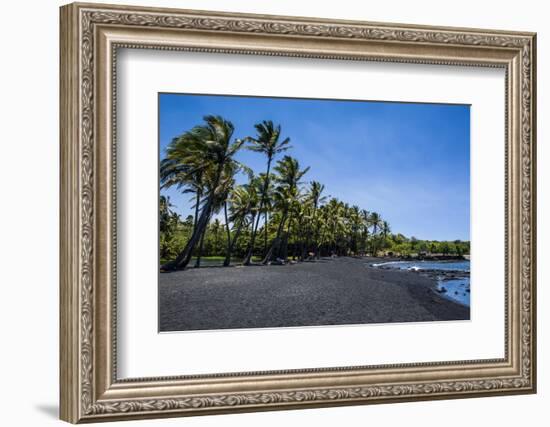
326, 292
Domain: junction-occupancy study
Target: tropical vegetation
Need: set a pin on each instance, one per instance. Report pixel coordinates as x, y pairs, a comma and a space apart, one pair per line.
268, 216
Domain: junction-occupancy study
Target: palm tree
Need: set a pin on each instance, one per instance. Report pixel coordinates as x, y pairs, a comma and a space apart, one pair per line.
165, 213
295, 202
202, 161
177, 170
243, 204
180, 169
335, 223
302, 228
375, 221
365, 215
207, 150
225, 184
315, 197
386, 230
169, 225
355, 223
266, 142
216, 228
267, 206
286, 193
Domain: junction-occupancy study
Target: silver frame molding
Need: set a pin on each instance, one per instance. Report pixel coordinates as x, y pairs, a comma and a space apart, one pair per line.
90, 37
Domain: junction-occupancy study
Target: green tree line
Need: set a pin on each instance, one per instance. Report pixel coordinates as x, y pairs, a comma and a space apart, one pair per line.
275, 215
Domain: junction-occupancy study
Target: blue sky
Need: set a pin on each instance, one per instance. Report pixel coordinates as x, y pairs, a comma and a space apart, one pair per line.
409, 162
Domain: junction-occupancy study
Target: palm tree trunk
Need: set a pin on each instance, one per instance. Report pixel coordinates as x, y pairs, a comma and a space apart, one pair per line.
228, 230
276, 242
248, 256
284, 250
262, 203
316, 236
365, 241
303, 235
374, 240
183, 258
197, 202
185, 255
227, 260
266, 221
316, 244
307, 242
201, 244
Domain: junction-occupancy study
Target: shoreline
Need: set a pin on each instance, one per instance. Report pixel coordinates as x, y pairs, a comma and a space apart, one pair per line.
450, 284
330, 291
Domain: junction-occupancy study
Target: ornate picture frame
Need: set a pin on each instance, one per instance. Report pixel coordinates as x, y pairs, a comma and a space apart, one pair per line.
90, 37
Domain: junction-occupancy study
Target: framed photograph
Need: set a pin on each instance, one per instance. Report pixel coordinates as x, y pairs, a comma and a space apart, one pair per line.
266, 212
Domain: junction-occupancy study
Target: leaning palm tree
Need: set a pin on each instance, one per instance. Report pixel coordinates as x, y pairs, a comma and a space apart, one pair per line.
177, 170
286, 193
243, 205
207, 149
181, 169
226, 183
266, 142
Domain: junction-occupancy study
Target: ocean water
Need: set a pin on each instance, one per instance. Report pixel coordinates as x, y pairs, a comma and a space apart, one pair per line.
463, 265
457, 290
